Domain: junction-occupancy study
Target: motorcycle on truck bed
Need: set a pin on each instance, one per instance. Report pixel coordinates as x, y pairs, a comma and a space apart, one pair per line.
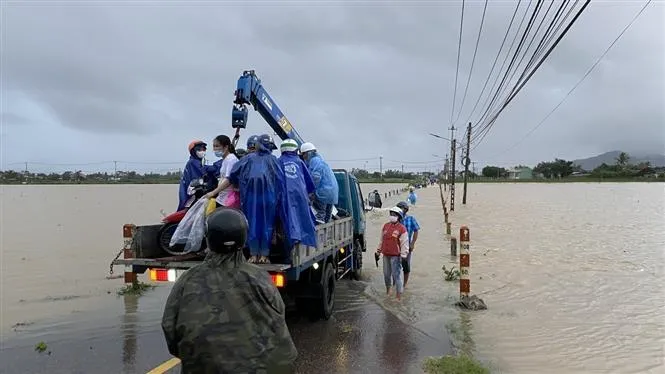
308, 277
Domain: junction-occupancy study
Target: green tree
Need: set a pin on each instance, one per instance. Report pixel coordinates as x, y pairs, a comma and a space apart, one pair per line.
494, 172
555, 169
623, 160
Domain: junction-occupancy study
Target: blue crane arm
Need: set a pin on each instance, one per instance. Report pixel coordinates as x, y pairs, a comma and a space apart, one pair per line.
250, 91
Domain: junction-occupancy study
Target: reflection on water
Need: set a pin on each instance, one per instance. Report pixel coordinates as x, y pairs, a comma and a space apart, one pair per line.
129, 331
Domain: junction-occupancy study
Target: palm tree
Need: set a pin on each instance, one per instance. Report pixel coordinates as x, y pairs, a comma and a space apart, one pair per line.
622, 160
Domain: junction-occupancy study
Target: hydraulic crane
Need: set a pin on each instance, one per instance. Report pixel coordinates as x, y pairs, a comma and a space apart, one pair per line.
250, 91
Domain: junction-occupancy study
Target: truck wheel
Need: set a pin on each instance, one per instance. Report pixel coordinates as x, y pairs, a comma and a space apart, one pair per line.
357, 272
327, 302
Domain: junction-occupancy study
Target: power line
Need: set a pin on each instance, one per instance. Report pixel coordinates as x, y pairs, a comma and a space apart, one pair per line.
491, 102
588, 72
526, 50
473, 61
488, 125
484, 126
507, 78
459, 48
503, 42
542, 60
549, 33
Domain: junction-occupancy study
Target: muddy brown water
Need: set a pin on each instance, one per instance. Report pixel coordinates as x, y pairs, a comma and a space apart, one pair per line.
573, 274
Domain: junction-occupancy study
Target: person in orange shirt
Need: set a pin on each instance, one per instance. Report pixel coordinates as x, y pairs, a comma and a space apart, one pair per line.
394, 246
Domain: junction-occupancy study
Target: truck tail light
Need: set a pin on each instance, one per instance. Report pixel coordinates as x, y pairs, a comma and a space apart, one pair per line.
163, 275
278, 280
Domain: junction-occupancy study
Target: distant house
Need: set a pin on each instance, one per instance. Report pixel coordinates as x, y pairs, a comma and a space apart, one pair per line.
520, 173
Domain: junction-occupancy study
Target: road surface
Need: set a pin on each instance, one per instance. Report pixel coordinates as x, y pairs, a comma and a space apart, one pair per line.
361, 337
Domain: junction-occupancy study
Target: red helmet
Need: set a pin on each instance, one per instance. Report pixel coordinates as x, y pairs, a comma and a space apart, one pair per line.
194, 143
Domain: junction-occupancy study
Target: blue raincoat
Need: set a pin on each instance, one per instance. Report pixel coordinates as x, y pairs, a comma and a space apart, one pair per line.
260, 180
324, 180
212, 174
295, 213
194, 169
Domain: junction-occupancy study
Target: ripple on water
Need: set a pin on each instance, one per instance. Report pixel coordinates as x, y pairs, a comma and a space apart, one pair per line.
572, 285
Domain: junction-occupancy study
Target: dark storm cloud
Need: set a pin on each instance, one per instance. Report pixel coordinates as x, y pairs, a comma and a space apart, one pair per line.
375, 78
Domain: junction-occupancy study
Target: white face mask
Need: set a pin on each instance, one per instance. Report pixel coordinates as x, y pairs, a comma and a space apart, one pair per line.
200, 154
393, 219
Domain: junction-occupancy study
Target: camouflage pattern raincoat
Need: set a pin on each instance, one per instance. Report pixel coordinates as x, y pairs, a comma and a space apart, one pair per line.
226, 316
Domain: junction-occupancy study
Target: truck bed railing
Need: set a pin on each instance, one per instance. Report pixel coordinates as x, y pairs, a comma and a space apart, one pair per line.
331, 236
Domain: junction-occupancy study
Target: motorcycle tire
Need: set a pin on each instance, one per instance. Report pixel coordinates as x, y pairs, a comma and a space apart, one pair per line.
164, 239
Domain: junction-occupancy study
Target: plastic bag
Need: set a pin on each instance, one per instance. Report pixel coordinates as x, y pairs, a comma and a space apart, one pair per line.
191, 229
212, 205
232, 200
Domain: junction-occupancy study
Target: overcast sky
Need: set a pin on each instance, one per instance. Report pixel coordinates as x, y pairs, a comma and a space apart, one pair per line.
135, 83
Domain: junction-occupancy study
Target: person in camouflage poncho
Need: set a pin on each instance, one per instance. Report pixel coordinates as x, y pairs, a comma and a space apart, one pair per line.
225, 315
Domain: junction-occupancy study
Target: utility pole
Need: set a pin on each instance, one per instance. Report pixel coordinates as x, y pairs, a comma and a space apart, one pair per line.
466, 161
452, 174
402, 170
381, 166
473, 163
115, 170
445, 174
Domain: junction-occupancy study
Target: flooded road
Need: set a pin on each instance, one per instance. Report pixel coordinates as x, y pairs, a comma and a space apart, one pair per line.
360, 338
573, 275
57, 242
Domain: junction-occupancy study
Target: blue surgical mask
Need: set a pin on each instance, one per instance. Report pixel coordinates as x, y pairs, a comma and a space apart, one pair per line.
219, 153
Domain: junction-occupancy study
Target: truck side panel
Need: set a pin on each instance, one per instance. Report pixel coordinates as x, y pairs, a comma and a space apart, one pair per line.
331, 237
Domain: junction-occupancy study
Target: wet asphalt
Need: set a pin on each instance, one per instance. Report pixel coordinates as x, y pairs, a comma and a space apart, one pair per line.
361, 337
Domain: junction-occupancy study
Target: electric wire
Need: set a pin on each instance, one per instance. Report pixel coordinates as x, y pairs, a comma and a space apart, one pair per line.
480, 132
503, 42
473, 62
459, 48
579, 82
505, 60
487, 127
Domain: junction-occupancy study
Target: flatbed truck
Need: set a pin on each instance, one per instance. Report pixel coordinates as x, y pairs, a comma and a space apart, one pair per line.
309, 278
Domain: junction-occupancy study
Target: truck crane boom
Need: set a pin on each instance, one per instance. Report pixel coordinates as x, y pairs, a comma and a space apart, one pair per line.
250, 91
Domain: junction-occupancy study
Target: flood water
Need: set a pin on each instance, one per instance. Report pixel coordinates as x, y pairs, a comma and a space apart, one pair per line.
572, 274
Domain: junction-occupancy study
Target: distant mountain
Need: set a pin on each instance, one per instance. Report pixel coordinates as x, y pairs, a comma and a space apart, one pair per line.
609, 158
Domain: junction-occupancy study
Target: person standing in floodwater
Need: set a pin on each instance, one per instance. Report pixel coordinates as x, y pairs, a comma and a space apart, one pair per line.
412, 228
394, 246
412, 195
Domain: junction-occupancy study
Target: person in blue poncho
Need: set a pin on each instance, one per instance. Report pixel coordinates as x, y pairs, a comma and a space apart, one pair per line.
260, 180
412, 196
296, 216
325, 183
194, 169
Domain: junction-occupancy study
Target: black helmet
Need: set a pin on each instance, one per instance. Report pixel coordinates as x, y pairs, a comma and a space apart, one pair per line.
241, 152
226, 230
404, 206
267, 142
